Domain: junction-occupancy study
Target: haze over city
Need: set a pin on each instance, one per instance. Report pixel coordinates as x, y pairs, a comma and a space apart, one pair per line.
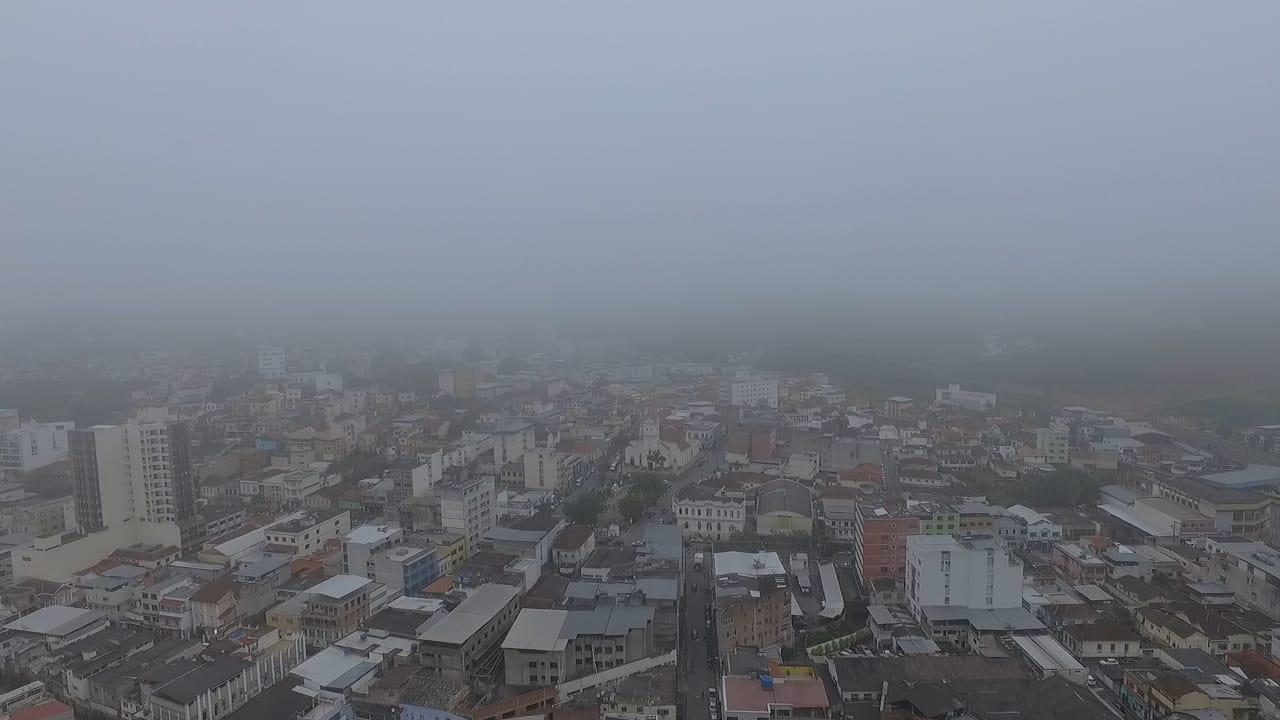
648, 361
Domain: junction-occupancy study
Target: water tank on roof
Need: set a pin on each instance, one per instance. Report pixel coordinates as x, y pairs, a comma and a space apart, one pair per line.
766, 682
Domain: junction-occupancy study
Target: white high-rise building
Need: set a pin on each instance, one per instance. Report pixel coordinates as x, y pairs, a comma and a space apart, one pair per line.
976, 574
133, 485
749, 392
467, 507
134, 472
271, 362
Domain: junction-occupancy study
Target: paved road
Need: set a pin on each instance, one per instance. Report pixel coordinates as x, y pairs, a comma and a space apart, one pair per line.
695, 674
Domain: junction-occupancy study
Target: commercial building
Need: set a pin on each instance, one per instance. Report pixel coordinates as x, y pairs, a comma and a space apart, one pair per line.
454, 645
1235, 512
547, 647
703, 511
749, 392
1054, 442
975, 574
967, 399
407, 569
271, 362
33, 445
784, 507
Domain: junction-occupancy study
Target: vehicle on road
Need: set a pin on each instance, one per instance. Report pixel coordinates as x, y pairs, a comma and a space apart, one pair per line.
697, 561
695, 633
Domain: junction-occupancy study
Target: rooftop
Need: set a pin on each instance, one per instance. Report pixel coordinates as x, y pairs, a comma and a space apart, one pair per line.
784, 496
573, 537
339, 586
760, 695
471, 615
55, 620
201, 678
1252, 476
371, 534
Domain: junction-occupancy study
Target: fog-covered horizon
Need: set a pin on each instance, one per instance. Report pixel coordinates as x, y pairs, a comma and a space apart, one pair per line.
1002, 165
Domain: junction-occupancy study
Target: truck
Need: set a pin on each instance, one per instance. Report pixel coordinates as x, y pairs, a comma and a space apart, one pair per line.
697, 561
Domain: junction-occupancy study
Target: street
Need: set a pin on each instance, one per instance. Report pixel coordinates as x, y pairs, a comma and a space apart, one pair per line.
694, 673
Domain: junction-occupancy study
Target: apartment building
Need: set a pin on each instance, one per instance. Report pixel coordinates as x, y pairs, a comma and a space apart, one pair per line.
361, 546
1054, 442
326, 612
548, 469
753, 601
975, 574
467, 507
1251, 570
307, 535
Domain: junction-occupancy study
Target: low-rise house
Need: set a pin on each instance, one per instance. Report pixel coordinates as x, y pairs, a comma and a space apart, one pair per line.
1101, 640
213, 606
167, 604
326, 612
572, 547
1079, 563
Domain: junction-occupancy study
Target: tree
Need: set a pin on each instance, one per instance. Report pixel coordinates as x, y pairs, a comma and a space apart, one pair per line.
650, 487
1117, 614
632, 506
583, 510
655, 459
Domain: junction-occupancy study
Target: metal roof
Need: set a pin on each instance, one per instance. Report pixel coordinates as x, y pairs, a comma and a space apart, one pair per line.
537, 630
339, 586
56, 620
470, 616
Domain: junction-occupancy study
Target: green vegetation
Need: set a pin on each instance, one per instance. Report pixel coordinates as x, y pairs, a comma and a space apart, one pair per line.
632, 507
584, 510
1060, 488
359, 465
642, 494
1117, 614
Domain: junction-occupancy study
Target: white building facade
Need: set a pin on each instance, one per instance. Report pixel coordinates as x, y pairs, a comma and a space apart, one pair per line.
974, 574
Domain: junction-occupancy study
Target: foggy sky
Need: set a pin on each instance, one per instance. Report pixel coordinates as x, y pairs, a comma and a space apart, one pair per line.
634, 157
